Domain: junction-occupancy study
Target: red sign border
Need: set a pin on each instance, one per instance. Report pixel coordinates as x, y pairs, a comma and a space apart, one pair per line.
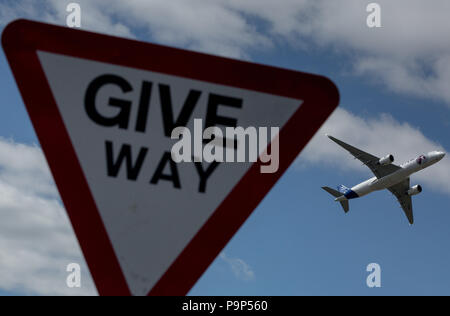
22, 38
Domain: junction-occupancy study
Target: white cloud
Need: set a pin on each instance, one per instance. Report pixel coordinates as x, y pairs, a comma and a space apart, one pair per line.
239, 267
9, 11
93, 15
206, 26
197, 24
379, 136
409, 54
36, 239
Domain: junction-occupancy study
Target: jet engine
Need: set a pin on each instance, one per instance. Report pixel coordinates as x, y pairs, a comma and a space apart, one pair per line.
415, 190
386, 160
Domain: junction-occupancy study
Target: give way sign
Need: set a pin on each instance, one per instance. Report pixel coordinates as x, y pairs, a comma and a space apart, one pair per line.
103, 109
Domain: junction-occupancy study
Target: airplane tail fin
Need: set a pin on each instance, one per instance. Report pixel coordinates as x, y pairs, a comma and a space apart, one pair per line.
343, 189
345, 205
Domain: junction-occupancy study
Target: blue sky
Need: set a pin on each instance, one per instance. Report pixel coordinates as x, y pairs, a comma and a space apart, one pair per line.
298, 241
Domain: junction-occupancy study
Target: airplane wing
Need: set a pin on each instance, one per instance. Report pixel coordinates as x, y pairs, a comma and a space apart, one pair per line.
369, 160
400, 192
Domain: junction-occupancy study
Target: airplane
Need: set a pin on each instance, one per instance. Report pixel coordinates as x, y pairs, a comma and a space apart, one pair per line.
387, 176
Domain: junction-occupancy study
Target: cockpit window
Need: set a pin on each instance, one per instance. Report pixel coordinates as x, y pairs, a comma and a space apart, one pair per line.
421, 159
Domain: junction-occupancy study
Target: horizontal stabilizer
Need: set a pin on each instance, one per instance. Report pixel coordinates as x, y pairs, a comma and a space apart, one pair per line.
333, 192
345, 205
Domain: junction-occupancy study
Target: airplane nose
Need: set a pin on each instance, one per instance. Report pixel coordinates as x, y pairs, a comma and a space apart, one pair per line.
441, 155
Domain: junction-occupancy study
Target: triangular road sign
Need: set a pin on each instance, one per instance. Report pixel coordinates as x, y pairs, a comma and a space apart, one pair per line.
103, 108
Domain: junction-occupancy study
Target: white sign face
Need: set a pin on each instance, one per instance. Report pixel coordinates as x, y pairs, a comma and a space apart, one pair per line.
150, 216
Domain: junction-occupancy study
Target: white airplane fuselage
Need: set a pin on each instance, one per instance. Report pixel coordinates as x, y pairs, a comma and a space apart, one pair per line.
407, 169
